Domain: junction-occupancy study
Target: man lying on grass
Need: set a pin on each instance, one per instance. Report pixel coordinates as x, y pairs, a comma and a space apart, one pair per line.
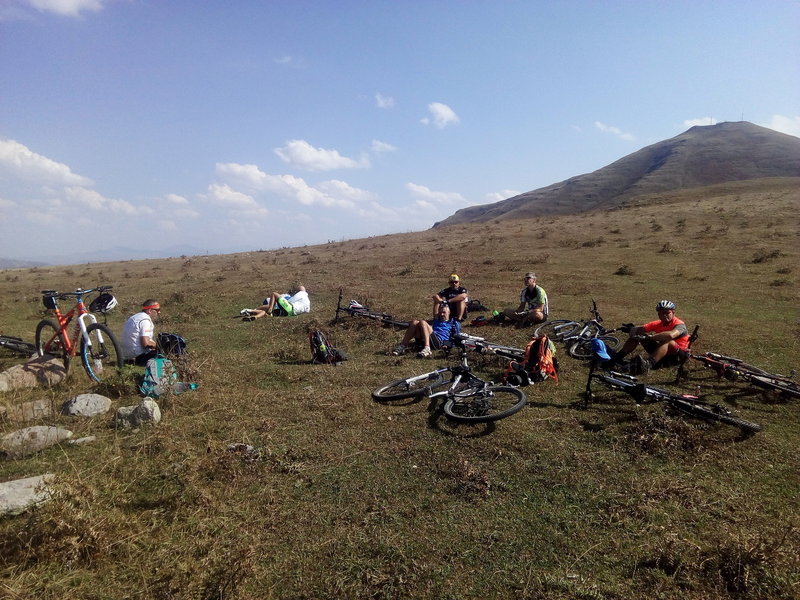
280, 305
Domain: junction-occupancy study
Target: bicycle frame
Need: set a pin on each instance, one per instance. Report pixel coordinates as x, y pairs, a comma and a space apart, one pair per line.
363, 311
84, 319
685, 403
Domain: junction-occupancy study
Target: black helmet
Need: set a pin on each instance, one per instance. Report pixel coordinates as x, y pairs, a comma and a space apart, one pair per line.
103, 303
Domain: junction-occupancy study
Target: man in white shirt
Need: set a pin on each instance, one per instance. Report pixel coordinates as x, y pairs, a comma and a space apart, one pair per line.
138, 334
290, 305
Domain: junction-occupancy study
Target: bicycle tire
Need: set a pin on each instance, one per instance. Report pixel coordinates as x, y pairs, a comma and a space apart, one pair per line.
708, 413
782, 386
411, 387
102, 358
485, 404
50, 341
582, 349
17, 345
557, 329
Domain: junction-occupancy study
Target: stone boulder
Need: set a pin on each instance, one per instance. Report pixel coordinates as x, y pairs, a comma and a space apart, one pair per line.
26, 411
86, 405
43, 371
147, 411
19, 495
30, 440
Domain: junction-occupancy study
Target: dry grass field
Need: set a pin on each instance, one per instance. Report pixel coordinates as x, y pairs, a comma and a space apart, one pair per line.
355, 499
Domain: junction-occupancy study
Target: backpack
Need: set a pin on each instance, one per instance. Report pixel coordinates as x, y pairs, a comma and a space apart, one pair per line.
159, 375
321, 351
538, 363
171, 344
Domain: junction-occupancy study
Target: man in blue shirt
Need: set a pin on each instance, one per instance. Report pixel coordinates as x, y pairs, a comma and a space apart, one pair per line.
432, 335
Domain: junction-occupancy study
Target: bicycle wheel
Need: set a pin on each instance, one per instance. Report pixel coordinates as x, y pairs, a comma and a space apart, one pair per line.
17, 345
413, 387
782, 386
714, 414
582, 349
49, 341
101, 356
484, 404
557, 329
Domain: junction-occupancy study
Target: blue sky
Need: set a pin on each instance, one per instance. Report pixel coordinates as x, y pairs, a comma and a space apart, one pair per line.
245, 125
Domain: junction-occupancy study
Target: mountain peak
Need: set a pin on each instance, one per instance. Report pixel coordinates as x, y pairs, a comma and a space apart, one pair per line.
700, 156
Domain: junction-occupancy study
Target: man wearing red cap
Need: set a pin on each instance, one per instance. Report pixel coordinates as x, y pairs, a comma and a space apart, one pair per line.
138, 334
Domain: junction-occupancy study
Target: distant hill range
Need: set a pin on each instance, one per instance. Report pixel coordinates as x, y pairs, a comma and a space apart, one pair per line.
698, 157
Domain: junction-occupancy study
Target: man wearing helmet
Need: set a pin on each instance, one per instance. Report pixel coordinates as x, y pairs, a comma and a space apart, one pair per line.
666, 341
138, 339
456, 296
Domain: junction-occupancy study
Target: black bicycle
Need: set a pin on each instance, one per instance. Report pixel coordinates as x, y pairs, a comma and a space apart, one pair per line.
356, 309
577, 336
16, 345
686, 404
467, 398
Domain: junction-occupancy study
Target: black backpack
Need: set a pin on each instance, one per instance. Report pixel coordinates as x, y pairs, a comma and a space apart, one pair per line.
321, 350
171, 344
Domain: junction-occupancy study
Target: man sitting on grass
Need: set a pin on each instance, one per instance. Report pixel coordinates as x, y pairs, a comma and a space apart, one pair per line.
432, 335
277, 304
666, 341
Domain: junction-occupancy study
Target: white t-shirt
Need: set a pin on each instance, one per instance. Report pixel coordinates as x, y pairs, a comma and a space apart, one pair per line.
300, 302
135, 327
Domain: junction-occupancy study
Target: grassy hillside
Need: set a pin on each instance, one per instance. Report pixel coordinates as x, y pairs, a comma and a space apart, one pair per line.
354, 499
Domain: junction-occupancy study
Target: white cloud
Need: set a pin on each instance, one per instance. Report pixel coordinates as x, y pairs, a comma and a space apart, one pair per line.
383, 101
701, 121
227, 197
614, 131
22, 163
303, 155
167, 225
501, 195
425, 194
381, 147
788, 125
176, 199
291, 188
441, 115
96, 201
67, 8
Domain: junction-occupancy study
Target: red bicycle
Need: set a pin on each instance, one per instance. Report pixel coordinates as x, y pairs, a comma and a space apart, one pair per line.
98, 347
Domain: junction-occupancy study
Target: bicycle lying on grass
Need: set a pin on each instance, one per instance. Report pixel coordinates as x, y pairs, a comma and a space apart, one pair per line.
98, 347
688, 405
15, 344
734, 369
577, 336
467, 398
354, 309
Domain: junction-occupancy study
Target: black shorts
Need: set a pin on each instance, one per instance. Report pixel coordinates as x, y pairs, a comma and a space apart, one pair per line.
436, 343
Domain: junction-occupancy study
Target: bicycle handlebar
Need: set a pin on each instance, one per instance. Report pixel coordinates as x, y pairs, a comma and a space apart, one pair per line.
78, 292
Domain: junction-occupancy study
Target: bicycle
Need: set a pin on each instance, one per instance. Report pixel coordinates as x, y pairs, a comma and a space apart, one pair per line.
689, 405
15, 344
733, 369
467, 398
355, 309
577, 336
95, 342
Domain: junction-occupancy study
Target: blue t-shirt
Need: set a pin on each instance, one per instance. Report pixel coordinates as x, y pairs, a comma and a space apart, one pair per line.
443, 330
